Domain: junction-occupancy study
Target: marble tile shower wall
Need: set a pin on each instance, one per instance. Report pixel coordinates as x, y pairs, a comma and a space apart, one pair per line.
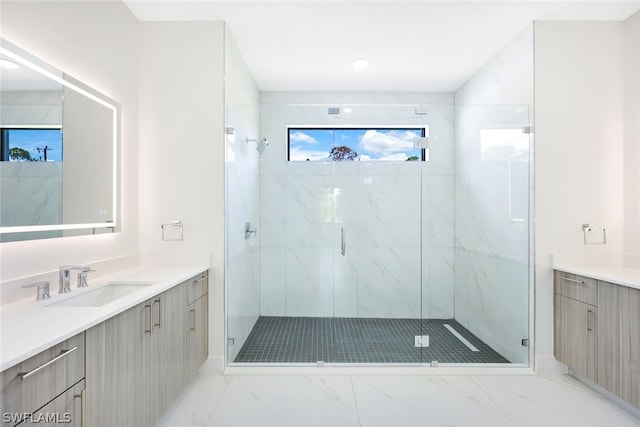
397, 217
31, 193
242, 206
492, 200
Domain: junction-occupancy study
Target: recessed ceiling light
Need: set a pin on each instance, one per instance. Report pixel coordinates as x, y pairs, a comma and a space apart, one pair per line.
10, 65
347, 110
360, 64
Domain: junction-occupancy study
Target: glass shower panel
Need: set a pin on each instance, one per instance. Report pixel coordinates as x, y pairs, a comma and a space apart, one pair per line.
492, 229
242, 201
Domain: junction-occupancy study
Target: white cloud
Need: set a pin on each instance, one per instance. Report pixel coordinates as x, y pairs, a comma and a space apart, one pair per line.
388, 142
302, 137
298, 154
394, 157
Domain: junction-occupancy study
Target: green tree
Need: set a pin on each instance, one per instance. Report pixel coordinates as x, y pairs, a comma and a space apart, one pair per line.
342, 153
412, 159
20, 154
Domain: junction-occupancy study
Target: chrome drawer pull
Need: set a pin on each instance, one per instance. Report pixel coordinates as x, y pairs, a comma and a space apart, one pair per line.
150, 330
200, 279
63, 353
573, 280
159, 314
193, 320
589, 325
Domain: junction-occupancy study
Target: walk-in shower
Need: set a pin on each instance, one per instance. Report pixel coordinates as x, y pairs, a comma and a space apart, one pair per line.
372, 246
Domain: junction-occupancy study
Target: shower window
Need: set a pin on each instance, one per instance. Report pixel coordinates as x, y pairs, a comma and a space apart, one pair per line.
325, 144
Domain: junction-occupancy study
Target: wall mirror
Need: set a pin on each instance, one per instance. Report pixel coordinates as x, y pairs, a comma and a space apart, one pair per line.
59, 144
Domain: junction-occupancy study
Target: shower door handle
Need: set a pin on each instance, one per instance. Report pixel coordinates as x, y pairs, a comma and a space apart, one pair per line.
343, 245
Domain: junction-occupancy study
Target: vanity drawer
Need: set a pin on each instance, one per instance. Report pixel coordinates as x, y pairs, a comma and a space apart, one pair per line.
30, 385
580, 288
197, 287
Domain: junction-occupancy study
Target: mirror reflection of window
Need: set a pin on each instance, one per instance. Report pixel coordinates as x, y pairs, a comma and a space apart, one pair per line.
30, 145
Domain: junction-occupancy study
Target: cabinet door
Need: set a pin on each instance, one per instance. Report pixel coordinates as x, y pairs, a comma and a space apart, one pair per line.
117, 375
610, 298
153, 359
202, 331
631, 348
67, 409
559, 328
170, 338
581, 339
198, 333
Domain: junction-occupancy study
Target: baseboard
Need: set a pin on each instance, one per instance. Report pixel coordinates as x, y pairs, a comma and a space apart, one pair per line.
548, 365
213, 365
606, 394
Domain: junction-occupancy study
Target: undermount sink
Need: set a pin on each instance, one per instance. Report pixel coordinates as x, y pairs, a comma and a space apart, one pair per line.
102, 295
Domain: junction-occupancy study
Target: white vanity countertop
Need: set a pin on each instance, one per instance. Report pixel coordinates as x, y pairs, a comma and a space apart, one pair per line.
28, 327
619, 275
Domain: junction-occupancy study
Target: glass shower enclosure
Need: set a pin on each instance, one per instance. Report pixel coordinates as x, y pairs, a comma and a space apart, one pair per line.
408, 247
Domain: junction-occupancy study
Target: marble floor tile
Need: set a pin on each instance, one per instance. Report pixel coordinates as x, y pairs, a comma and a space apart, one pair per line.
195, 405
287, 400
425, 401
552, 401
392, 400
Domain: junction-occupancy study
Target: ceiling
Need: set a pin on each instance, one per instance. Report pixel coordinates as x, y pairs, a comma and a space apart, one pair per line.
419, 45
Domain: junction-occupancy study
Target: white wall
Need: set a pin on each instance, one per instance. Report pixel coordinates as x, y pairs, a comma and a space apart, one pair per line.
182, 151
242, 198
95, 42
492, 193
397, 216
578, 151
632, 141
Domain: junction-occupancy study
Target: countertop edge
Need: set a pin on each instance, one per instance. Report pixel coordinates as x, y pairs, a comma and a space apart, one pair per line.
87, 317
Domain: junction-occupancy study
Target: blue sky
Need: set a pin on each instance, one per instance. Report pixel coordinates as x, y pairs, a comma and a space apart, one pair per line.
373, 144
32, 139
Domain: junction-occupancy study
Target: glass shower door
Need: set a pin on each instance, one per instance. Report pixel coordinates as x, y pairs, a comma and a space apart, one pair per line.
492, 229
377, 240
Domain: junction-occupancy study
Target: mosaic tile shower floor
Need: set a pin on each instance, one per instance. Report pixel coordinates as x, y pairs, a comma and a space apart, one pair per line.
360, 341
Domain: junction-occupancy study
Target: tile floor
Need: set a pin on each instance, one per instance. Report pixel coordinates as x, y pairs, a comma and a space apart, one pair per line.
392, 400
360, 340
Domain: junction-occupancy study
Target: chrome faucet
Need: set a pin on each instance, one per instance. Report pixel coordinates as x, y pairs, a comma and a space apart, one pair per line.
65, 277
82, 277
42, 289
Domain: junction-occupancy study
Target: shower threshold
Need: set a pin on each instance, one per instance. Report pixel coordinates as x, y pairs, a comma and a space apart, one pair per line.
304, 340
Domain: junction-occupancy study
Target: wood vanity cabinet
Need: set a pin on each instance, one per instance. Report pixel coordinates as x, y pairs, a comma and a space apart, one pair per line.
619, 347
610, 301
630, 317
575, 326
136, 361
597, 333
46, 389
